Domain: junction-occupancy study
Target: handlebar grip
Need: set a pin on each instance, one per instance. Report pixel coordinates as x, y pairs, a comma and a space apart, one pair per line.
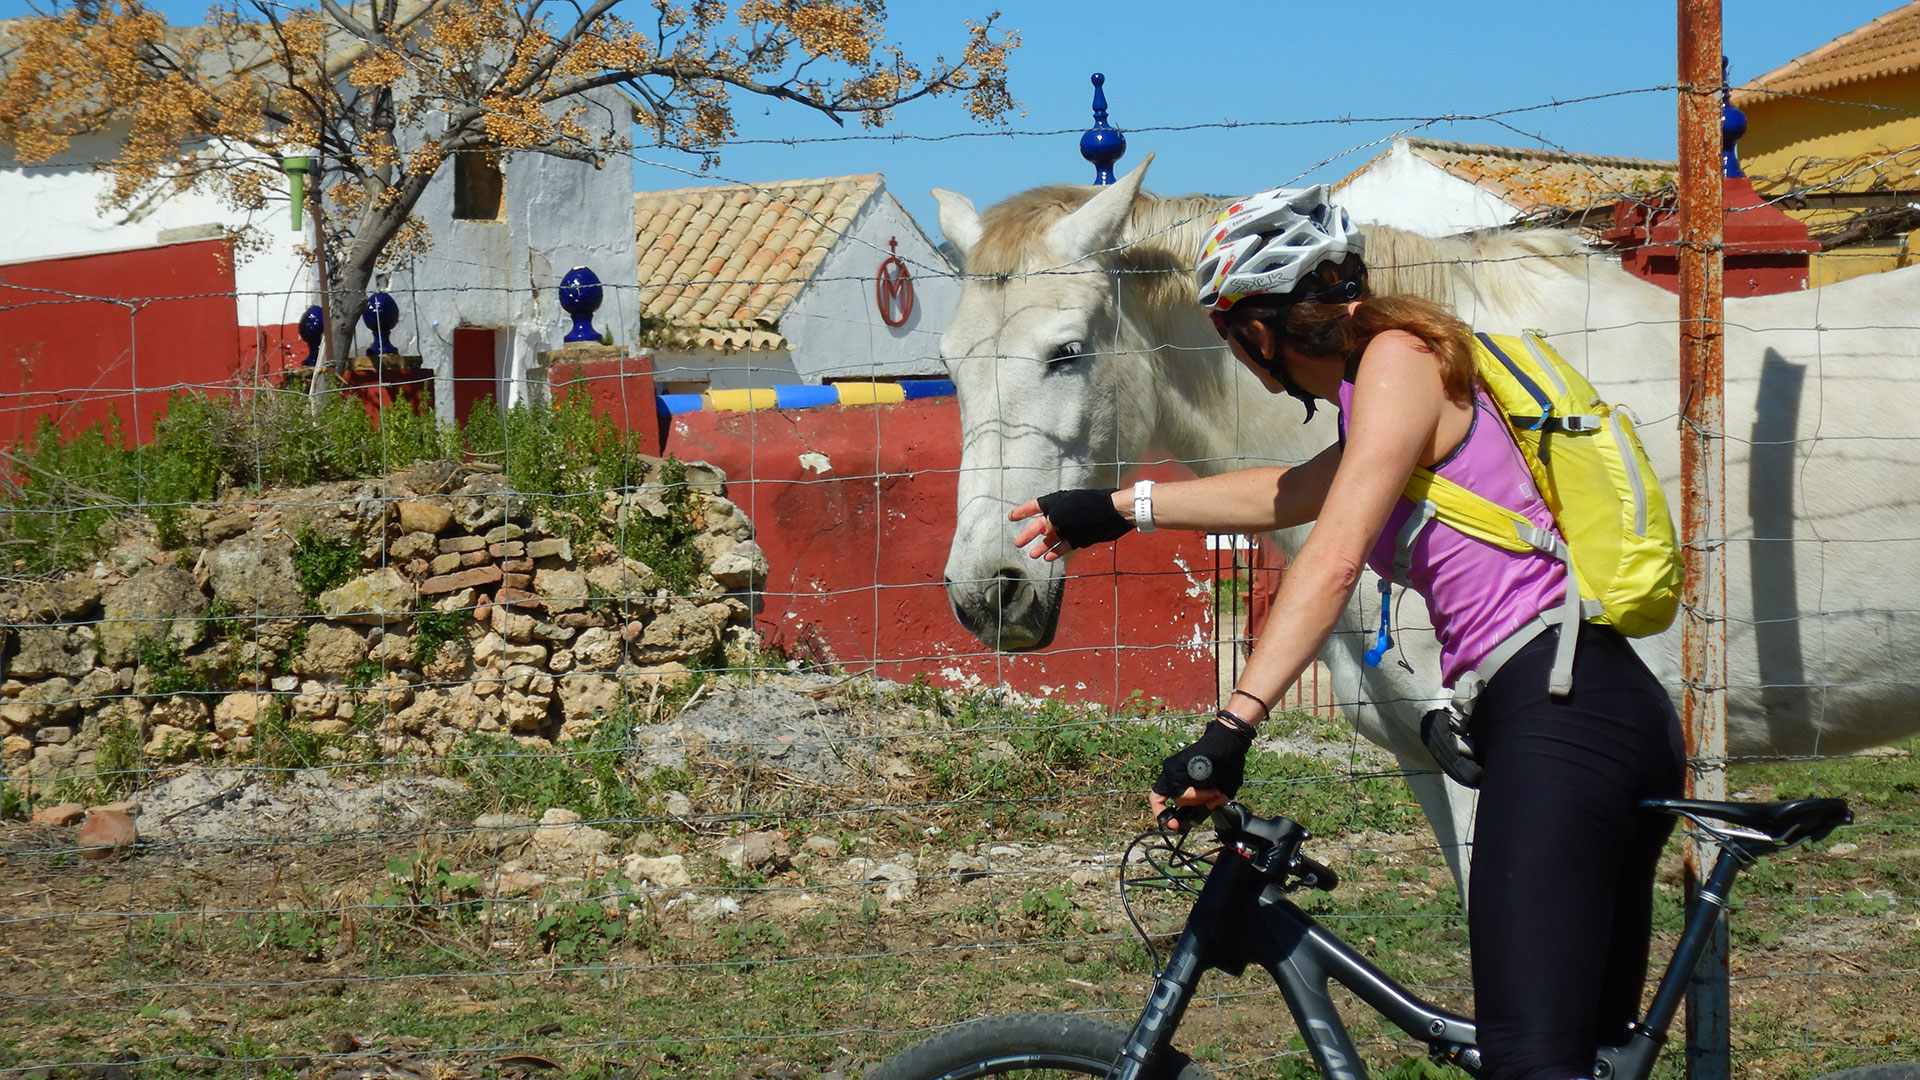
1182, 818
1323, 879
1199, 769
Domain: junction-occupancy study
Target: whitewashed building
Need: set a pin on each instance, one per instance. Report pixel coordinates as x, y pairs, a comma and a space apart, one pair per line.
476, 308
748, 286
1439, 188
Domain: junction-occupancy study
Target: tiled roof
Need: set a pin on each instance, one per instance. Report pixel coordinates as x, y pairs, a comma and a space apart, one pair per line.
1886, 46
1543, 181
723, 263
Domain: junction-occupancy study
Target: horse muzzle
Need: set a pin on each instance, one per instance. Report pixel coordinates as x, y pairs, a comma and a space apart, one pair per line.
1011, 610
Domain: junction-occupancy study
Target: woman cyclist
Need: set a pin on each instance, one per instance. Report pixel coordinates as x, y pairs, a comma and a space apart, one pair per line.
1563, 860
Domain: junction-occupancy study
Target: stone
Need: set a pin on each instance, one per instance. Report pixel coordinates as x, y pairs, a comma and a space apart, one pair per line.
373, 599
550, 547
564, 590
679, 634
493, 650
625, 579
51, 699
61, 816
166, 742
68, 598
159, 602
444, 564
763, 851
487, 500
664, 871
512, 625
324, 728
499, 832
225, 526
584, 693
424, 515
524, 711
413, 545
560, 833
475, 558
744, 567
965, 867
458, 601
392, 651
465, 579
106, 833
55, 736
237, 715
459, 545
504, 533
511, 549
560, 662
644, 681
332, 649
520, 583
254, 575
597, 649
720, 516
45, 651
183, 711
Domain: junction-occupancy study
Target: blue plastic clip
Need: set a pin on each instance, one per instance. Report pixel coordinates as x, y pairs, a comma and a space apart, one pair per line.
1381, 642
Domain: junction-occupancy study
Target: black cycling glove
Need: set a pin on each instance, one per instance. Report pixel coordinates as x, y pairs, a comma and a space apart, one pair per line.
1223, 747
1085, 516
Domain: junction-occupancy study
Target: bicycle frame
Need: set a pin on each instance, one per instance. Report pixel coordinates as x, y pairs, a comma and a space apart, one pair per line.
1240, 919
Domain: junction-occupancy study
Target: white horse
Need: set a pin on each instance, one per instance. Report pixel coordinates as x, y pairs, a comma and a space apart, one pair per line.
1078, 353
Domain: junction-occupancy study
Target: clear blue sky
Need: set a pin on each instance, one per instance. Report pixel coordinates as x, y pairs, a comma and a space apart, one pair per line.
1307, 80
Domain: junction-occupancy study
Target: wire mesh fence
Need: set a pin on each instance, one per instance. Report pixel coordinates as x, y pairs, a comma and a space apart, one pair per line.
509, 737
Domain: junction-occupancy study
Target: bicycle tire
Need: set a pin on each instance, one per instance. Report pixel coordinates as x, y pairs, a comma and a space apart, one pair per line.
1028, 1045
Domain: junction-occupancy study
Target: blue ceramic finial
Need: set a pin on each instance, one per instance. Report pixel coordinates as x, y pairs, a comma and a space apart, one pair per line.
1103, 144
313, 326
1733, 124
381, 316
580, 295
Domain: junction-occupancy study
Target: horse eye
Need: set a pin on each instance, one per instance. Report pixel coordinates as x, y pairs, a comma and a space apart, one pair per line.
1068, 353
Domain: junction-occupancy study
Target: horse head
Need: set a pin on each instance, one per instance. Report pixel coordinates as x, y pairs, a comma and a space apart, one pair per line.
1054, 380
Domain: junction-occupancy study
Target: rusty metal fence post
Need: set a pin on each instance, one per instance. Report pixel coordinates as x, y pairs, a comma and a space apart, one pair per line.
1702, 493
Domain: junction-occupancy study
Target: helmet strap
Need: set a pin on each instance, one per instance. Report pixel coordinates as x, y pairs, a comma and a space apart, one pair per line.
1276, 367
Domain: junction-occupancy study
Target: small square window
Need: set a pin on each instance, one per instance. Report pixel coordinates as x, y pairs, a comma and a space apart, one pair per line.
477, 186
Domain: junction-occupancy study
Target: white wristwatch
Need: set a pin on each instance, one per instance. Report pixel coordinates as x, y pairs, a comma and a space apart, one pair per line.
1143, 505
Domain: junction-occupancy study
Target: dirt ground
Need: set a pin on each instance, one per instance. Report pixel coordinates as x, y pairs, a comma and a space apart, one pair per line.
326, 926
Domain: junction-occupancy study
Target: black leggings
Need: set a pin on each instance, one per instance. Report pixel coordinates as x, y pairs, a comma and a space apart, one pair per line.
1563, 861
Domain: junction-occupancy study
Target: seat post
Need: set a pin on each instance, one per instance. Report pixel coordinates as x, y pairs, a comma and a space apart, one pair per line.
1710, 906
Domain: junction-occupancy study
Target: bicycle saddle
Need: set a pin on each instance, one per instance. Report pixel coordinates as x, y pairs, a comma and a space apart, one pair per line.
1783, 822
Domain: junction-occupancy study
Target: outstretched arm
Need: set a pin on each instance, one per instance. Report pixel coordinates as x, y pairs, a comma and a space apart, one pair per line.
1242, 501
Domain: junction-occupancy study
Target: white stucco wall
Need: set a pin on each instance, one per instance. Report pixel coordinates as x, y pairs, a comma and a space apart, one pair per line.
1406, 191
834, 324
504, 275
53, 210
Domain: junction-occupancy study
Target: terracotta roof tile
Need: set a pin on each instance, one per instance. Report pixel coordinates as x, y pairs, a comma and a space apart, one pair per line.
1886, 46
725, 262
1538, 180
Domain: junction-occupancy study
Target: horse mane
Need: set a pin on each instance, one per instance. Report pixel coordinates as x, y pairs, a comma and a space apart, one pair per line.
1163, 235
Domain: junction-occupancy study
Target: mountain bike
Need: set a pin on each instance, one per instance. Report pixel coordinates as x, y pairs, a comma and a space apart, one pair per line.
1241, 916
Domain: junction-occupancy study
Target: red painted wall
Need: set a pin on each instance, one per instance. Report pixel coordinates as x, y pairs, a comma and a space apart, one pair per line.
74, 359
857, 555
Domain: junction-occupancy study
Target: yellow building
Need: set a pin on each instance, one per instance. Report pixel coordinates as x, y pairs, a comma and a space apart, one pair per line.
1842, 125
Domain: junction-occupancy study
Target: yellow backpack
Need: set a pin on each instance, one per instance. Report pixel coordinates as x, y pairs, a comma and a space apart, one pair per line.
1591, 470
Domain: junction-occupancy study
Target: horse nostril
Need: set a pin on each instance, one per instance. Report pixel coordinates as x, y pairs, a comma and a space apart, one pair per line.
1007, 587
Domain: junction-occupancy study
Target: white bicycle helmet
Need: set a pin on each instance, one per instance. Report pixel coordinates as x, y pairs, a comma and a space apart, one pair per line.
1268, 243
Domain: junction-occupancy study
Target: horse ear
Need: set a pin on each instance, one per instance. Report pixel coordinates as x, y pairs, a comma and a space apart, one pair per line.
958, 219
1100, 223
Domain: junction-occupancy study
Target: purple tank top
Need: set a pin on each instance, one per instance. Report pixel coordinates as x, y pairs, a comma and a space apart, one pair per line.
1478, 594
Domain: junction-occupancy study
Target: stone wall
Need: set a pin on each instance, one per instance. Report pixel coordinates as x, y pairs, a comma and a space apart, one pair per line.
464, 609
